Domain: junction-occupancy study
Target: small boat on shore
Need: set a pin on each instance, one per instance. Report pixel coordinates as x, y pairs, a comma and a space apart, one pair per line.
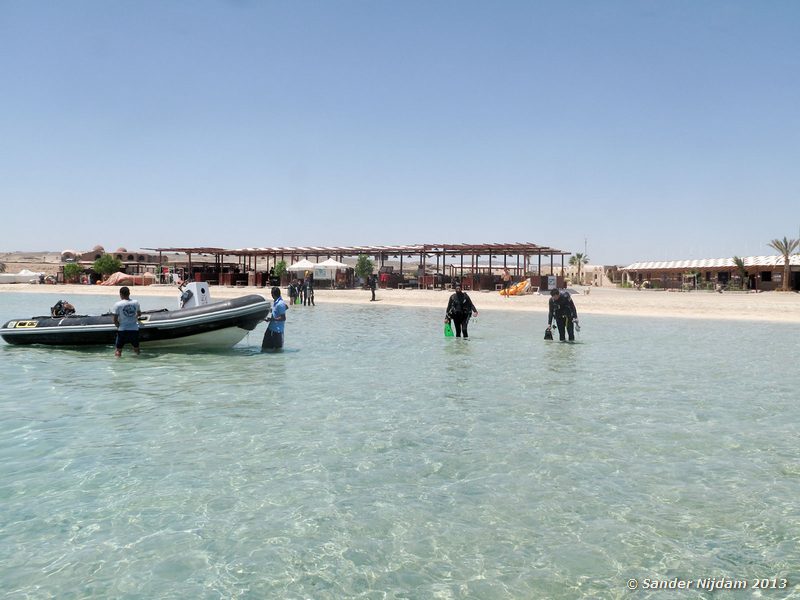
199, 324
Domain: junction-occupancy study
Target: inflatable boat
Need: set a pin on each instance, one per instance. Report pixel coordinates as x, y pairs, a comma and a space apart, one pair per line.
198, 324
516, 289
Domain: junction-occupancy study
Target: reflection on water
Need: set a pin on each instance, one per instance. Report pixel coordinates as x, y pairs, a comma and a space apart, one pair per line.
375, 458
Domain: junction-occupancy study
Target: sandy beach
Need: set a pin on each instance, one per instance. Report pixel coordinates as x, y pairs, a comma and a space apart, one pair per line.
766, 306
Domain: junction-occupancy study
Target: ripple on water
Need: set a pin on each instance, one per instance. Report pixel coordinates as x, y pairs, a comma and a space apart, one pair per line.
375, 459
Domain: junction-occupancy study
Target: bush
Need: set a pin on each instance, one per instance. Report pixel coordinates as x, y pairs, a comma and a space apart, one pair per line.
72, 272
280, 268
364, 266
107, 264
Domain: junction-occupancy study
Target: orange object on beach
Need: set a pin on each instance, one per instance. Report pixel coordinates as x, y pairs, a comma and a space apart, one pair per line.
516, 289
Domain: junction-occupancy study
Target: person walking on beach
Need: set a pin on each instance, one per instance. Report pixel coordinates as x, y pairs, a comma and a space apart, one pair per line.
506, 277
372, 280
562, 310
273, 336
126, 319
459, 310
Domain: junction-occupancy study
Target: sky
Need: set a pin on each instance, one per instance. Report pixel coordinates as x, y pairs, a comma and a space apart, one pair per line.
625, 130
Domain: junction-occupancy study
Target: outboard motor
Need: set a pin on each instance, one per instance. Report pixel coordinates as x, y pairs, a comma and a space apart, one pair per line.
62, 308
195, 294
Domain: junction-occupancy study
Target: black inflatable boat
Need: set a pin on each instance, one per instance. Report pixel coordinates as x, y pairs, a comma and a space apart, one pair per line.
214, 325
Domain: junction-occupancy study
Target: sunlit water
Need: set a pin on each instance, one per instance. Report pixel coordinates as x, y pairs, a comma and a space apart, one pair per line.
374, 458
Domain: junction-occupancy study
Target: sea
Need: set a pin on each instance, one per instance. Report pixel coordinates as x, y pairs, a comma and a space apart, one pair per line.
374, 458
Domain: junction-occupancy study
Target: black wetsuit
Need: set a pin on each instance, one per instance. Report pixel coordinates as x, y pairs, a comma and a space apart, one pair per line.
308, 284
373, 283
459, 310
563, 309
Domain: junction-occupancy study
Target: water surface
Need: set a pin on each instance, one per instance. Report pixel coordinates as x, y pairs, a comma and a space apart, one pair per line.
375, 459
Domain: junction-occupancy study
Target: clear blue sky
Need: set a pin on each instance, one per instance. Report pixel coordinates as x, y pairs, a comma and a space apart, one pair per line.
648, 130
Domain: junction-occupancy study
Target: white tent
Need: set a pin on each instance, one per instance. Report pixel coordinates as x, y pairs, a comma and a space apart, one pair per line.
24, 276
302, 265
327, 270
331, 265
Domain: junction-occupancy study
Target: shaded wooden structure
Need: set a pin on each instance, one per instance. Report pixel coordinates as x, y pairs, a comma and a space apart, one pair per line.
420, 265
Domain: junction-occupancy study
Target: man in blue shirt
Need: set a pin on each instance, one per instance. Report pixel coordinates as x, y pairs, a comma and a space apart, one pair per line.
273, 336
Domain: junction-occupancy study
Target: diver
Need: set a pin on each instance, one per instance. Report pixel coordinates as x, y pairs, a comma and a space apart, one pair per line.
562, 310
308, 284
459, 309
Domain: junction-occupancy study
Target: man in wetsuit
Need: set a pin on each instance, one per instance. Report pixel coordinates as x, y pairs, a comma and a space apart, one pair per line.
459, 309
293, 291
373, 283
562, 309
308, 284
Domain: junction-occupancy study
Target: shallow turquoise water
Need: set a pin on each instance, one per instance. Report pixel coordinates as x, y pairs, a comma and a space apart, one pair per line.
375, 459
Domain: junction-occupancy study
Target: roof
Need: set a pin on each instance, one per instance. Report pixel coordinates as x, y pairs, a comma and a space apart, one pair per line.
713, 263
454, 248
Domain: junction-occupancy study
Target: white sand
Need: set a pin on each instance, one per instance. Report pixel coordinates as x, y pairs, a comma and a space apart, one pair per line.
766, 306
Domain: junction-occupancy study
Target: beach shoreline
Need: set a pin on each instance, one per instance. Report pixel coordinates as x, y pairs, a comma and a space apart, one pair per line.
735, 306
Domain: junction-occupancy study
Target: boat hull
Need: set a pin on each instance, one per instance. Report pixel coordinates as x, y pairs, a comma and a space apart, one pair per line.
221, 324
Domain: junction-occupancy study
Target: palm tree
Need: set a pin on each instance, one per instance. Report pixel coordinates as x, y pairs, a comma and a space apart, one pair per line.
578, 260
786, 247
739, 264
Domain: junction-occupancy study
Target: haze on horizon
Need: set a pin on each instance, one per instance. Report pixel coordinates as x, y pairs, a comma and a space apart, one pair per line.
639, 131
